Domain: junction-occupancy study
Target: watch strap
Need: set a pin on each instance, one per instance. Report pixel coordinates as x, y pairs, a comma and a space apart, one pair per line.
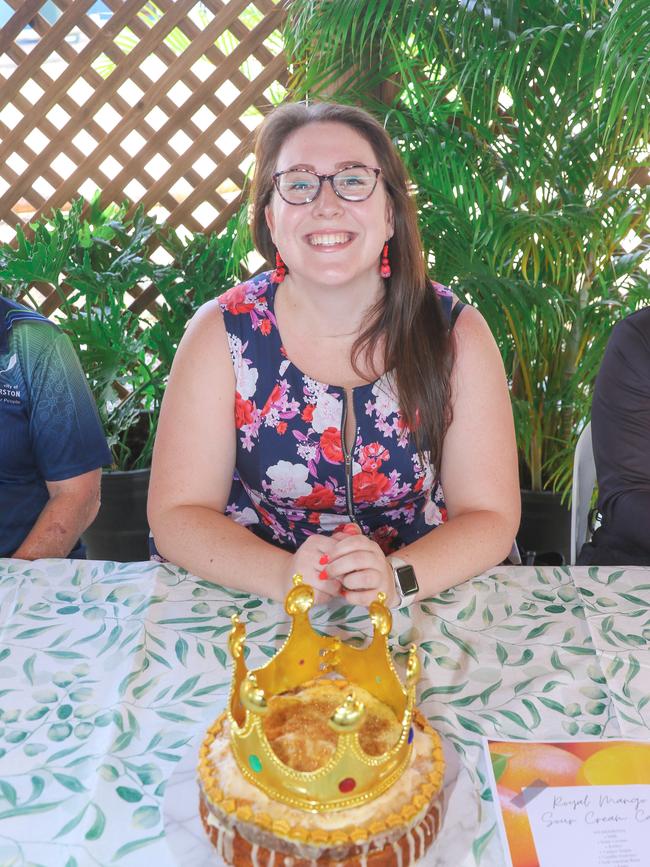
405, 596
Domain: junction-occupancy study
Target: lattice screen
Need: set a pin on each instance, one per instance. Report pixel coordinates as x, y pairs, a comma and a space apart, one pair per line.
147, 102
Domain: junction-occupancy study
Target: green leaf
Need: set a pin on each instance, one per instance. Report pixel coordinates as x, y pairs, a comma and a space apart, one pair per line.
72, 783
448, 689
8, 792
129, 794
174, 717
540, 630
480, 843
463, 645
97, 828
470, 725
38, 785
340, 613
181, 648
514, 717
108, 772
614, 576
29, 810
159, 658
146, 817
558, 665
71, 824
28, 668
167, 757
499, 764
220, 653
468, 610
580, 651
187, 686
633, 670
551, 704
533, 712
134, 845
485, 695
448, 662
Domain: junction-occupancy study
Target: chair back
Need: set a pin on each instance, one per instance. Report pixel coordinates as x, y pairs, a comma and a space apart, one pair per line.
584, 482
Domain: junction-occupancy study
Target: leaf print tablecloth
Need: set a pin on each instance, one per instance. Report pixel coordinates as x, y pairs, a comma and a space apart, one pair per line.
108, 671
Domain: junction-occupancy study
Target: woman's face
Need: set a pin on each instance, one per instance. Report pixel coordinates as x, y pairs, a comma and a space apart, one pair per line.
330, 241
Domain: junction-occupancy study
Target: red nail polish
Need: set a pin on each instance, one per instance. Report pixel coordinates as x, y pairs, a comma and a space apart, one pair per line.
323, 576
324, 560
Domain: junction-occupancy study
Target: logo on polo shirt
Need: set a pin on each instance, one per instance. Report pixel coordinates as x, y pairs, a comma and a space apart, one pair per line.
9, 394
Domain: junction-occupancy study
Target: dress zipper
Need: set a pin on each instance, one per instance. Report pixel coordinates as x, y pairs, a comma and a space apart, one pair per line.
347, 457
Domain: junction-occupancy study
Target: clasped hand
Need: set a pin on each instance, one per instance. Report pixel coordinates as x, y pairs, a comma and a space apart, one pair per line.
347, 564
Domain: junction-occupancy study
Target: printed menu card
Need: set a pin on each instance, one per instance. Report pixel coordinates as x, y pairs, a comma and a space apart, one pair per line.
583, 803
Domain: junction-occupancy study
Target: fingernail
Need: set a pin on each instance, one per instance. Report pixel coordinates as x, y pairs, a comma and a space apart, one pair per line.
323, 576
324, 559
343, 591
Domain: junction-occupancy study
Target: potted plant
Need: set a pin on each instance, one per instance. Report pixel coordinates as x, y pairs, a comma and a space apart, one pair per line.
98, 263
524, 128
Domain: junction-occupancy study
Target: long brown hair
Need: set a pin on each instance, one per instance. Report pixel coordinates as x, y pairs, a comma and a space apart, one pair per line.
418, 347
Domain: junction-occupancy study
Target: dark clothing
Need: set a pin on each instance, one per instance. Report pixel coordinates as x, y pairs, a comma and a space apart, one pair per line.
620, 429
49, 426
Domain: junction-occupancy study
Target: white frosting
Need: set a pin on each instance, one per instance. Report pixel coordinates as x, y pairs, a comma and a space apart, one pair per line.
400, 793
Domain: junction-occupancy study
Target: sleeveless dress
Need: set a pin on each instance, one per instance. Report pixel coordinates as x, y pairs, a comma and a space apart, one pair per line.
292, 478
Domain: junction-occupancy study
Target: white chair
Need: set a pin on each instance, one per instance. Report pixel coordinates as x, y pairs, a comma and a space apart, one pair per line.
584, 481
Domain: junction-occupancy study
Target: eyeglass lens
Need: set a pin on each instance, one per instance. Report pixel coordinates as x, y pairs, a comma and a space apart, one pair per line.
300, 186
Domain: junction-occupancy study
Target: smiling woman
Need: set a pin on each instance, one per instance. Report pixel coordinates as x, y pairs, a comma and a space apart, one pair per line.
326, 417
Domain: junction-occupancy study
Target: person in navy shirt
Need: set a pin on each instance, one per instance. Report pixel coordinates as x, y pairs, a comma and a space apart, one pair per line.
620, 431
52, 446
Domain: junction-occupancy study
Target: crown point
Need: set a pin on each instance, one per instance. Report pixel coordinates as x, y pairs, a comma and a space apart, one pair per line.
348, 716
236, 637
251, 696
300, 599
297, 579
380, 616
412, 666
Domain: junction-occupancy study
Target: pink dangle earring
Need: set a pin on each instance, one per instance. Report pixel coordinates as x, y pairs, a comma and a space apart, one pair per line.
280, 269
384, 270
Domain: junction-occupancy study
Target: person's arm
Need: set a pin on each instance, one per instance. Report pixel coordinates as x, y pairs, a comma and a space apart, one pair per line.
71, 508
192, 472
479, 478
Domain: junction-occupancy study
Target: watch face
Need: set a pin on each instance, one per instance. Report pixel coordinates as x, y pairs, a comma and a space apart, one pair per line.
407, 580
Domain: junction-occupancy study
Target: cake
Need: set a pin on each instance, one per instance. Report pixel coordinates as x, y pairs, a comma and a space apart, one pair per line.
321, 757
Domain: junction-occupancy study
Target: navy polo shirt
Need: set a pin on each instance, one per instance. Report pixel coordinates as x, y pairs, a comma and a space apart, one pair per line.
49, 425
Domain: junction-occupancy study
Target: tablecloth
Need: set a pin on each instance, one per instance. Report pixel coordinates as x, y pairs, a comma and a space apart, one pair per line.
108, 671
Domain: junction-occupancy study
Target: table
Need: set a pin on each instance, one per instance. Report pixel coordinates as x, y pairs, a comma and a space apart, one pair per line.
108, 671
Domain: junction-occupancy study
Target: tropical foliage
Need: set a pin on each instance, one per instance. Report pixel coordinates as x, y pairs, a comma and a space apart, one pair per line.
100, 263
523, 126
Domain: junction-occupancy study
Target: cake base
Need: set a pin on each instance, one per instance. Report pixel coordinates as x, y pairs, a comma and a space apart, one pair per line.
402, 852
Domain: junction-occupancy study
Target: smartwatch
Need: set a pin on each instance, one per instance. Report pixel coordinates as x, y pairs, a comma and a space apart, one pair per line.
406, 584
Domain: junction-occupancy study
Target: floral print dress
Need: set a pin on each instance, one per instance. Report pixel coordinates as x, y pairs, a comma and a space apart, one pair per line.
292, 478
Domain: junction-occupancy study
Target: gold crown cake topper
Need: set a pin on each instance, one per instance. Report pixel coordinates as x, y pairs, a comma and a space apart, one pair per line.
351, 776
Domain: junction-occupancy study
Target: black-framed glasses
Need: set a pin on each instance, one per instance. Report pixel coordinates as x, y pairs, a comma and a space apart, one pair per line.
300, 186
